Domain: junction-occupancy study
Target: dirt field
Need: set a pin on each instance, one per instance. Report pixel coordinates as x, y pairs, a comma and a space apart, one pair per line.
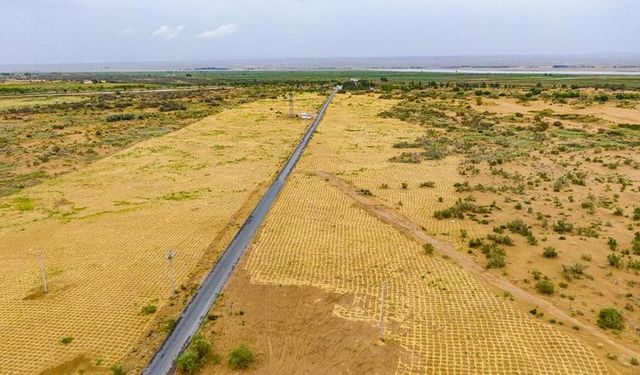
103, 233
445, 318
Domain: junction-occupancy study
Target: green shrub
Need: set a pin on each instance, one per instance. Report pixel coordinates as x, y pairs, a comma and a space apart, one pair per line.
475, 242
201, 346
610, 318
121, 117
574, 270
428, 248
23, 204
636, 213
66, 340
550, 252
117, 369
189, 362
428, 184
501, 239
172, 106
635, 244
612, 243
241, 357
518, 226
545, 286
614, 260
495, 255
149, 309
199, 352
561, 226
458, 210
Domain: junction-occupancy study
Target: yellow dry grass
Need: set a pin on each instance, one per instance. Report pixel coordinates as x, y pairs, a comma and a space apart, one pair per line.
446, 319
6, 103
104, 231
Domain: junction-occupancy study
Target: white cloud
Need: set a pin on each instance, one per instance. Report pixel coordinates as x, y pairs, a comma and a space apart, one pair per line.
219, 31
168, 32
128, 31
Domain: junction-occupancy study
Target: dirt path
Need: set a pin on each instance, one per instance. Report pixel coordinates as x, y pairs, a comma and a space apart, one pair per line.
407, 227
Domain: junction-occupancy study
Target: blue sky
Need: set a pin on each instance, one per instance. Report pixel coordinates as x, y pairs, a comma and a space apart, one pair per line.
54, 31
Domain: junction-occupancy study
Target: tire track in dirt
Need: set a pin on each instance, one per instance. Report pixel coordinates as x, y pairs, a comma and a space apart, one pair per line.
413, 231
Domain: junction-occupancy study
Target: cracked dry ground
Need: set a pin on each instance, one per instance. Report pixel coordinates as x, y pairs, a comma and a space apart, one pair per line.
306, 297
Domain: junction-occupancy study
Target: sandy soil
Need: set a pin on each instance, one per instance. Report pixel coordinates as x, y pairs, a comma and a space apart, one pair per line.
291, 330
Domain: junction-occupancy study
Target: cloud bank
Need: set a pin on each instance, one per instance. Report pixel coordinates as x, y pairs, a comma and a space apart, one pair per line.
219, 31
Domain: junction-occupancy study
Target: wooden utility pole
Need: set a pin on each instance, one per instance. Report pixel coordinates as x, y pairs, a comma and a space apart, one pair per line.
43, 273
172, 286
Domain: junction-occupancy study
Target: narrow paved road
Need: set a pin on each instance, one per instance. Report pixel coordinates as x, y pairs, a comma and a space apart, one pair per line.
189, 322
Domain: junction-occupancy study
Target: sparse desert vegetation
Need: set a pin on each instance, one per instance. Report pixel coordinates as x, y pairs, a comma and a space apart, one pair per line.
530, 181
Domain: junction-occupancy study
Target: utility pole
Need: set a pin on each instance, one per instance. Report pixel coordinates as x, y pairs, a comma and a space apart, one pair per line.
291, 109
43, 273
383, 293
170, 256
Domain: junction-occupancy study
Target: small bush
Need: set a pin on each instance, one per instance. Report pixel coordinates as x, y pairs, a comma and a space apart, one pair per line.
614, 260
172, 106
612, 243
636, 213
545, 286
501, 239
66, 340
199, 352
117, 369
404, 185
241, 357
428, 248
428, 184
23, 204
518, 226
188, 362
121, 117
610, 318
561, 226
494, 254
366, 192
550, 252
475, 242
574, 270
149, 309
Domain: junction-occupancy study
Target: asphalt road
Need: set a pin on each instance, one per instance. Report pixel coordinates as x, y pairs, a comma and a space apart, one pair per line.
164, 360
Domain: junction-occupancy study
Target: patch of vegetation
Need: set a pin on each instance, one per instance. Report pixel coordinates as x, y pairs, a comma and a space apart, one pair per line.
23, 204
181, 196
545, 286
66, 340
149, 309
458, 210
120, 117
241, 358
428, 248
562, 226
550, 252
198, 353
518, 226
610, 318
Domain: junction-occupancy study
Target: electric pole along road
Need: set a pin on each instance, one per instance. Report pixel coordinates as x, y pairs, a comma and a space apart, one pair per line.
191, 318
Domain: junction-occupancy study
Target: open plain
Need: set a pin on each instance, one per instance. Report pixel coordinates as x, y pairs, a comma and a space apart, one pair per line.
434, 224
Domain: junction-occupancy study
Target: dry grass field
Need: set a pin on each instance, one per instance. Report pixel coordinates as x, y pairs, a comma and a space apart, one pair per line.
103, 232
499, 197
